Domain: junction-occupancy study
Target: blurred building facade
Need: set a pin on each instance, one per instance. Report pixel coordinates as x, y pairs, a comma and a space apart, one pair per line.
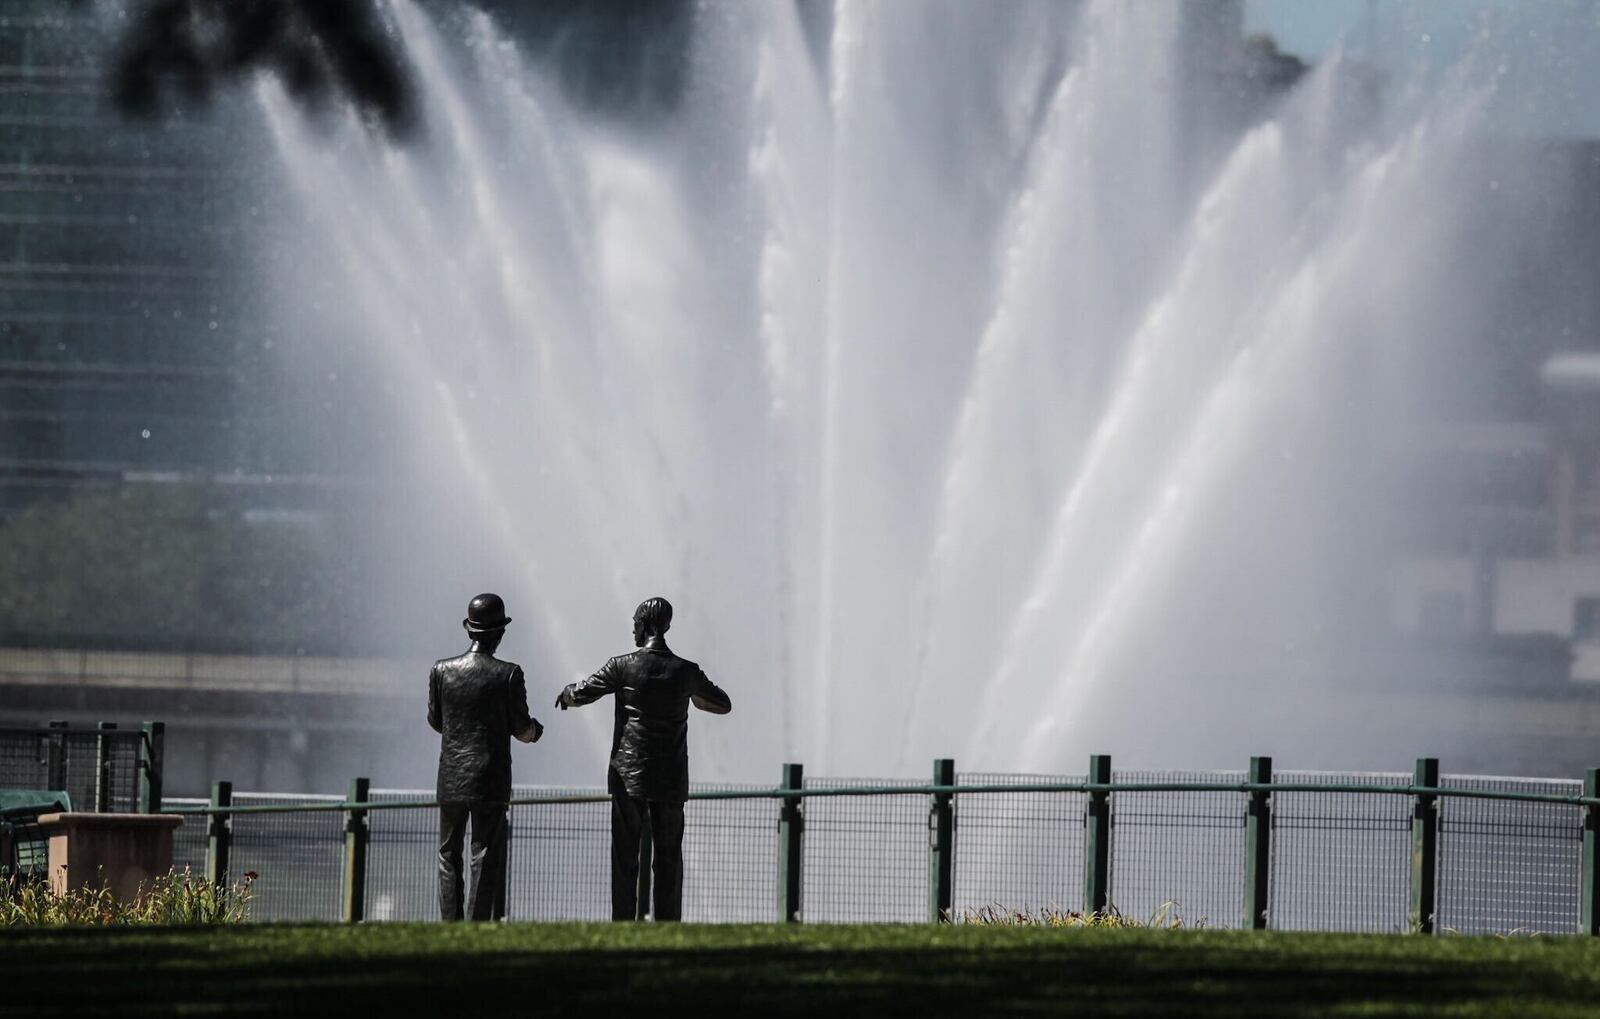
1504, 564
135, 358
133, 348
113, 361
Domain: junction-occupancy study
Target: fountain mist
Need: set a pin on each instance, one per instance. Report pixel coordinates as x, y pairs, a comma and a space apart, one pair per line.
986, 380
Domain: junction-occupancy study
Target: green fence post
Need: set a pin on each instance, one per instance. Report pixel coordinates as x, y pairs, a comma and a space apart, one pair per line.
56, 757
102, 768
646, 861
1258, 845
791, 845
1097, 838
356, 836
1589, 899
152, 750
941, 843
219, 835
1424, 847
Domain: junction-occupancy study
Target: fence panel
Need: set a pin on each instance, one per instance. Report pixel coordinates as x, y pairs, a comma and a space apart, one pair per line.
560, 858
298, 857
402, 857
730, 858
1506, 866
1341, 861
189, 840
24, 760
866, 857
25, 763
1018, 851
1180, 855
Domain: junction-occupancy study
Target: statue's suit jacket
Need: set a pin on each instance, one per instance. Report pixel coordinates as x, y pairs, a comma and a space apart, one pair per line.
477, 703
650, 738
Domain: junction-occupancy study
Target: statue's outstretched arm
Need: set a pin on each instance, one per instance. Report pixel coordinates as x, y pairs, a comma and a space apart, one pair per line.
708, 696
605, 681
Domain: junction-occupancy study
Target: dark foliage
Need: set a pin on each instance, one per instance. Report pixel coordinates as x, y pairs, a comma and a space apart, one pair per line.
321, 49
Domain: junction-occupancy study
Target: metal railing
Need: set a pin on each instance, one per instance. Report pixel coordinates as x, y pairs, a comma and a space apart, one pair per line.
104, 768
1387, 852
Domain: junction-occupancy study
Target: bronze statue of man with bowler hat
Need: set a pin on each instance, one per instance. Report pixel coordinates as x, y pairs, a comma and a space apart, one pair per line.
477, 704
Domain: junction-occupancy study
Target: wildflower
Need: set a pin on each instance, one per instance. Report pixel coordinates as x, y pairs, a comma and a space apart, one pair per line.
250, 875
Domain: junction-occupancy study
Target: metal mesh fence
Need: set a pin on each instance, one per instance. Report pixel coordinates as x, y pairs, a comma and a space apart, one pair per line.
1506, 865
402, 855
121, 764
24, 760
1019, 851
866, 857
1178, 855
115, 754
730, 857
82, 771
189, 841
560, 858
74, 760
298, 857
1341, 861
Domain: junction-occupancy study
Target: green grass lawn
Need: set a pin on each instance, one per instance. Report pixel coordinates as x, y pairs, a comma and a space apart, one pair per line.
601, 969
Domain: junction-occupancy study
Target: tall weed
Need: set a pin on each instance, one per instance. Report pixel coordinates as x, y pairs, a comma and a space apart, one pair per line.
173, 899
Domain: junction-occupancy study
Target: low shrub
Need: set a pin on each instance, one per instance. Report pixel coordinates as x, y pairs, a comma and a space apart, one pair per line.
174, 899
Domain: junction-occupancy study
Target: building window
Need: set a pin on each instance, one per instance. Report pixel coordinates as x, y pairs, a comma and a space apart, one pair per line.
1586, 618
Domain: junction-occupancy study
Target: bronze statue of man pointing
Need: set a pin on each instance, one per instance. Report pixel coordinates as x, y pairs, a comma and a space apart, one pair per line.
649, 773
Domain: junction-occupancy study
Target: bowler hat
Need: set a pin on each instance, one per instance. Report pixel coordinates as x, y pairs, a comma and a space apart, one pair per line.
484, 613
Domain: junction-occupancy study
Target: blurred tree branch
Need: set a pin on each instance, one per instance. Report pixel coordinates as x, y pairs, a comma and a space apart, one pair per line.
320, 49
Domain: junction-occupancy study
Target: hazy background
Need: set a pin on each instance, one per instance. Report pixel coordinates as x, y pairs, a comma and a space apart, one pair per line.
1009, 382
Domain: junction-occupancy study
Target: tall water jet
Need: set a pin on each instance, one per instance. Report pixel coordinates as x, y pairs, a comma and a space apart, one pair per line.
1011, 381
